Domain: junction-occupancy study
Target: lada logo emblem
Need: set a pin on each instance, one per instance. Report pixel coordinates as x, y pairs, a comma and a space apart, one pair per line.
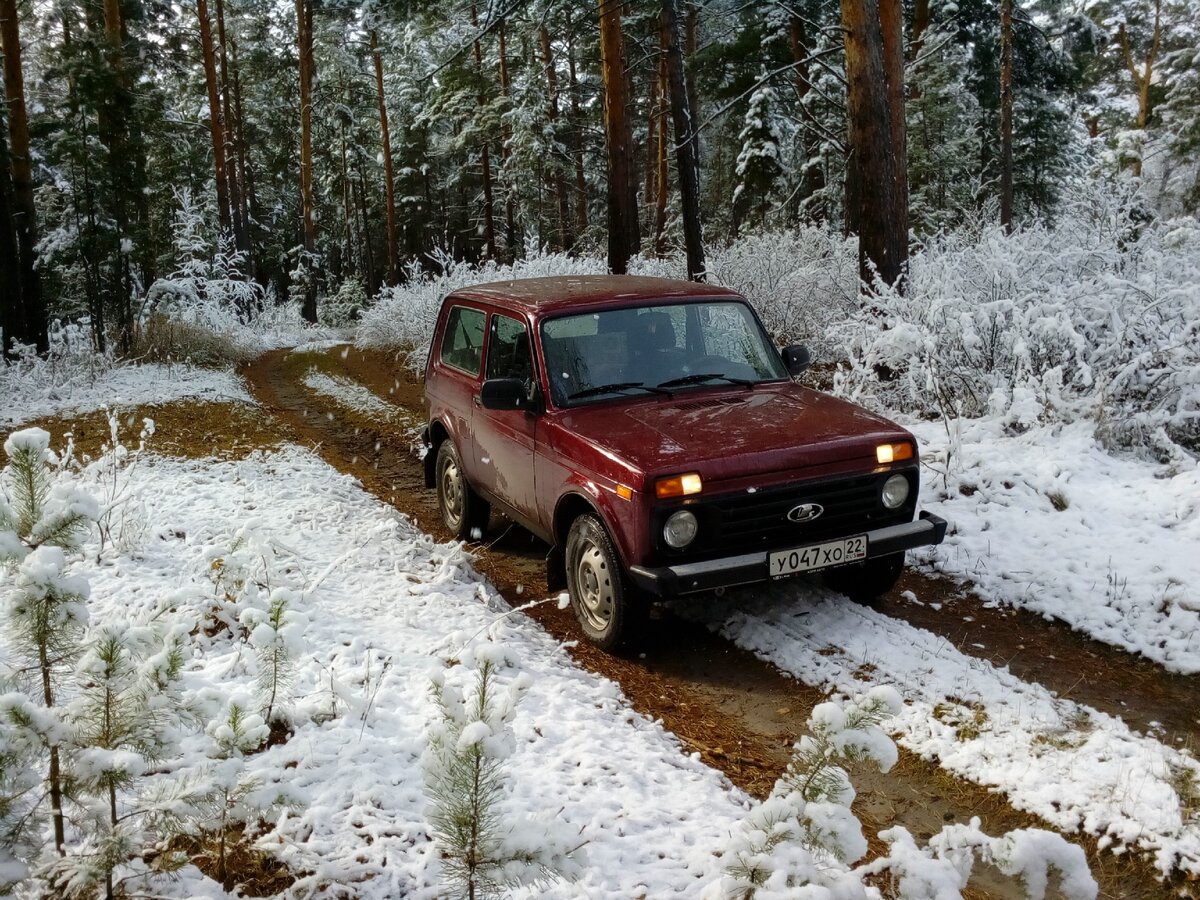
805, 512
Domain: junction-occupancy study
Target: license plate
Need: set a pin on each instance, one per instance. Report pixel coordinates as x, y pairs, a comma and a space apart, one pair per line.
817, 556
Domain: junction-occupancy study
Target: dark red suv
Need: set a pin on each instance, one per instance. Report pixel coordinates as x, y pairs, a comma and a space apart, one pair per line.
651, 433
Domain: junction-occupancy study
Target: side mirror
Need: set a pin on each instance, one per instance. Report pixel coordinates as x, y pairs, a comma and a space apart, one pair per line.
796, 358
504, 394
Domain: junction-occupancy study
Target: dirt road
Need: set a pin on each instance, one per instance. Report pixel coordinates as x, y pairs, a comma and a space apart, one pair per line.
739, 713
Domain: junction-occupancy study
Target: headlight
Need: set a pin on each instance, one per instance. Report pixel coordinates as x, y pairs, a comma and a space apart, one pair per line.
895, 492
680, 529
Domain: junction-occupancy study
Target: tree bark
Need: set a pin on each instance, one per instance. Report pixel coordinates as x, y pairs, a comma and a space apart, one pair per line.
510, 215
216, 116
12, 313
249, 204
623, 236
304, 20
687, 161
1142, 79
389, 176
660, 167
812, 176
883, 239
565, 237
485, 160
24, 214
1006, 114
232, 179
891, 27
581, 197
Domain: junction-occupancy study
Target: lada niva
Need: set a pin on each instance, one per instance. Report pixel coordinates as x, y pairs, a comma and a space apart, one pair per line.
653, 435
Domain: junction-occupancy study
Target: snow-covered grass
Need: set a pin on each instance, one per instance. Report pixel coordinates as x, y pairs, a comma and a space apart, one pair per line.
1051, 522
1075, 767
386, 607
73, 381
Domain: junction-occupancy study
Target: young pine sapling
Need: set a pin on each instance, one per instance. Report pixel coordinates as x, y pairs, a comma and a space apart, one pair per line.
41, 519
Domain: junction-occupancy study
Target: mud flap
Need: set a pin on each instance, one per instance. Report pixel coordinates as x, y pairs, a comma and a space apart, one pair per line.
556, 570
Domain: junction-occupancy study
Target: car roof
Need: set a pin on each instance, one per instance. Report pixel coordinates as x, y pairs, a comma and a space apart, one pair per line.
543, 295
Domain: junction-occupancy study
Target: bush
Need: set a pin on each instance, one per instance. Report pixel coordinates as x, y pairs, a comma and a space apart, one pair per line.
1096, 317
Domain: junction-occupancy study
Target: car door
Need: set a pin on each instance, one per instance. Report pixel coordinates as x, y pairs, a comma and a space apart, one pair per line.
505, 438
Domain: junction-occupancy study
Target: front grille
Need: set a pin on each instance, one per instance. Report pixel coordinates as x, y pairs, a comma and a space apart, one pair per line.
745, 521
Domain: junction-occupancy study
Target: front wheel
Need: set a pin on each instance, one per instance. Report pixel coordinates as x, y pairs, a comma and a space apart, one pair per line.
609, 612
463, 511
868, 581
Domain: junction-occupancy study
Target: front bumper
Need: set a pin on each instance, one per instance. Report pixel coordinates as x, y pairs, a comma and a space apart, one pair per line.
748, 568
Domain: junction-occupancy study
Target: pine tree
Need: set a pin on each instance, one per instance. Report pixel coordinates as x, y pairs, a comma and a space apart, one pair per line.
758, 168
45, 608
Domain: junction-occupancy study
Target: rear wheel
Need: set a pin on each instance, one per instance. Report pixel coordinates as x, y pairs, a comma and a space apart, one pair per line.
610, 613
867, 582
463, 511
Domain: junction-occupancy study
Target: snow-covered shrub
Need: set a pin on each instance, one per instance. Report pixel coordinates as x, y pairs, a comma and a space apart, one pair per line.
240, 569
483, 852
1097, 316
804, 281
20, 745
403, 316
804, 837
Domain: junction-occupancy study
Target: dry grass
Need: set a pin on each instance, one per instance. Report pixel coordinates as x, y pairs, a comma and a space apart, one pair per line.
162, 339
184, 429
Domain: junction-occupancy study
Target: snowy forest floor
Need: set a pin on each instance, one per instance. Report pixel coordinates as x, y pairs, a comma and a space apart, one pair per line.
1024, 714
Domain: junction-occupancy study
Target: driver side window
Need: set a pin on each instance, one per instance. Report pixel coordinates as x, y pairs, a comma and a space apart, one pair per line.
508, 350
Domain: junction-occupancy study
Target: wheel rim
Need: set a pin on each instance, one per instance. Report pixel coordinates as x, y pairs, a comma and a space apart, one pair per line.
452, 494
593, 580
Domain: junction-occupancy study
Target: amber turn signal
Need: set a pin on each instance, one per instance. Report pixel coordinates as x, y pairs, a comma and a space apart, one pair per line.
678, 485
887, 453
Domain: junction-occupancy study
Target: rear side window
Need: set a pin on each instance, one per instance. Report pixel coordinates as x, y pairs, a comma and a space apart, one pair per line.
462, 344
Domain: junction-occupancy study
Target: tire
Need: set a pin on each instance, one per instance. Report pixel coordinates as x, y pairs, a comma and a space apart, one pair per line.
464, 512
867, 582
608, 609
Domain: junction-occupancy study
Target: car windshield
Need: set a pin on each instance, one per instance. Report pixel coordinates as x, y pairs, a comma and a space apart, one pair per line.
652, 349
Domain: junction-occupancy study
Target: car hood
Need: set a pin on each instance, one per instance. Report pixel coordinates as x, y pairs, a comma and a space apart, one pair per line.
734, 433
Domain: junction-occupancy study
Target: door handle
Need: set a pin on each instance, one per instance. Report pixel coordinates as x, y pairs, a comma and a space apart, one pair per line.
478, 403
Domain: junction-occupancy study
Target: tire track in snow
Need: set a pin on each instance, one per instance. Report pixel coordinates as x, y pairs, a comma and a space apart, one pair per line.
1079, 769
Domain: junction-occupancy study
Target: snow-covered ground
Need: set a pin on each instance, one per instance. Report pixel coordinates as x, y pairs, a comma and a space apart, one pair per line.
351, 395
1051, 522
48, 390
387, 606
1077, 768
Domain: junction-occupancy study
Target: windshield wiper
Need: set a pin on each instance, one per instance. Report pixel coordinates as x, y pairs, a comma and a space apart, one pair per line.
702, 376
614, 388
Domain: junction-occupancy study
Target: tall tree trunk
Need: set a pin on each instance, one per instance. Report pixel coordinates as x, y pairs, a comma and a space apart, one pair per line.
249, 204
389, 172
510, 216
1143, 78
891, 27
622, 214
236, 204
883, 240
24, 214
812, 176
485, 160
581, 197
12, 312
565, 238
1006, 114
304, 19
691, 40
114, 134
660, 167
216, 116
687, 161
